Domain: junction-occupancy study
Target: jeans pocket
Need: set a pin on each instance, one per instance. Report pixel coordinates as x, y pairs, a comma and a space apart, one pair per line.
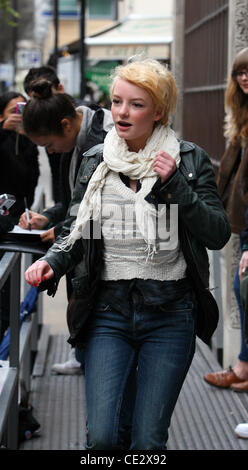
185, 303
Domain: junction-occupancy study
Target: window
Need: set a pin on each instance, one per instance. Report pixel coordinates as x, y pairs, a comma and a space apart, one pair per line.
68, 7
101, 8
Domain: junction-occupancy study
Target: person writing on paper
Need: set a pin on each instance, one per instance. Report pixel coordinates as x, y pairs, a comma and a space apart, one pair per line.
52, 120
144, 295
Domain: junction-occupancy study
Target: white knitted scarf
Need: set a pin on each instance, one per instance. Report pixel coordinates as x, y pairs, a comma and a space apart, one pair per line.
135, 165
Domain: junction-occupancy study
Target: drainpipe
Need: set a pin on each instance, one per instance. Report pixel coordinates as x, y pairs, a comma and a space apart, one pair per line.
82, 49
56, 15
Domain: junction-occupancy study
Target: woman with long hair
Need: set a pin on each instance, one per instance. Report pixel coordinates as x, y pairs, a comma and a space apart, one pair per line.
233, 188
144, 280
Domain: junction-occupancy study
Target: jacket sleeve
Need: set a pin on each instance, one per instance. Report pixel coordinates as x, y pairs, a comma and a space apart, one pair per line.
200, 207
29, 159
64, 261
55, 214
244, 234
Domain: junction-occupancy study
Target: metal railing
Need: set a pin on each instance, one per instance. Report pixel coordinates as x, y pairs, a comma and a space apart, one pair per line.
23, 338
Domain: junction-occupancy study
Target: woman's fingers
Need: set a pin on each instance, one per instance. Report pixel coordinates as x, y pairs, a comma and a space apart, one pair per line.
38, 272
164, 165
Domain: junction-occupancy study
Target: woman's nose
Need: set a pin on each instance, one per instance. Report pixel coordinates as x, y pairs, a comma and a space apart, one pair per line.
124, 109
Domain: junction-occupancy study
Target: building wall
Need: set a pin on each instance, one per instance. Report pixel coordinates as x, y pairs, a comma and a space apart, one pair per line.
145, 7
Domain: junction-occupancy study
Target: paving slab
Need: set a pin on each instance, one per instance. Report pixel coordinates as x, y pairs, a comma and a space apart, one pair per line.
204, 417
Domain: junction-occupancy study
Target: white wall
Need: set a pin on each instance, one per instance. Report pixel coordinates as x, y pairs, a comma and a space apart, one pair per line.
145, 7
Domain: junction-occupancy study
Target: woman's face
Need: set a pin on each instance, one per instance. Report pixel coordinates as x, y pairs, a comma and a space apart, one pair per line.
11, 107
242, 80
133, 113
53, 143
59, 143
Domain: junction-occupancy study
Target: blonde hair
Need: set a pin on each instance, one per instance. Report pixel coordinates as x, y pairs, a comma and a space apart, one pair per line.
155, 78
236, 102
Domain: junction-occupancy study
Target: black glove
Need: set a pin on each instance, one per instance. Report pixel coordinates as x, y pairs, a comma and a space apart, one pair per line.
6, 224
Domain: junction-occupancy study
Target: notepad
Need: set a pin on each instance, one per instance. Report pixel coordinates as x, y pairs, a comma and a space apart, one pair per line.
22, 231
24, 240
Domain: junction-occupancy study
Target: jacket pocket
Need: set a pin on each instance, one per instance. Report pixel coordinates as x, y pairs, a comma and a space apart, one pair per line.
78, 310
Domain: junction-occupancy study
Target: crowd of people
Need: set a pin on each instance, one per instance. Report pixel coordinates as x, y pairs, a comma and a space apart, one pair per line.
137, 298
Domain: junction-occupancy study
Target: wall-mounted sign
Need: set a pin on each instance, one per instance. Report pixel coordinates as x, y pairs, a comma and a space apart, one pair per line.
27, 58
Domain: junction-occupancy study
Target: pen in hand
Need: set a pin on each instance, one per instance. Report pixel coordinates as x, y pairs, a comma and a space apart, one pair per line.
27, 213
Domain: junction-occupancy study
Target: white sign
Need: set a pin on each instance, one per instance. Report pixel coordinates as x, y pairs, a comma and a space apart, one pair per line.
27, 58
6, 72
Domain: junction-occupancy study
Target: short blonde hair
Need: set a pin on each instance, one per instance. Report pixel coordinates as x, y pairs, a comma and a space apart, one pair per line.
155, 78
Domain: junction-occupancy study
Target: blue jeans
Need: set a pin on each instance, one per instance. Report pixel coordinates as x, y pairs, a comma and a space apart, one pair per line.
156, 342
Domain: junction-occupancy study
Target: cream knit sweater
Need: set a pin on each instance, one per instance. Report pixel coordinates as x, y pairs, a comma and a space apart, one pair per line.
125, 252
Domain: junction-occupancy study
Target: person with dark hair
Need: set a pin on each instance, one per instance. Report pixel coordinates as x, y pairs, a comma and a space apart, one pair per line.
19, 156
49, 73
45, 71
18, 176
51, 120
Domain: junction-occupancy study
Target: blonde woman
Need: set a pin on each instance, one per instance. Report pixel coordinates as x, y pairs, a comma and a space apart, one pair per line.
233, 189
142, 282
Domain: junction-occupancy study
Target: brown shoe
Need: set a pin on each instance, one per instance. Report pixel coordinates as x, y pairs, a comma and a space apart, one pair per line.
222, 379
240, 387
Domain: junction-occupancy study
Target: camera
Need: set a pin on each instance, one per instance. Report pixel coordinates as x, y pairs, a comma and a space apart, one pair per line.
20, 107
6, 201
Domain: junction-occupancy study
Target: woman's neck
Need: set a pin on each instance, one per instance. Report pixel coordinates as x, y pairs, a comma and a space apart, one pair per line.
78, 120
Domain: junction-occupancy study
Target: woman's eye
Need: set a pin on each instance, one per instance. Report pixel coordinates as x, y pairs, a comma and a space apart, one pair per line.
115, 101
138, 105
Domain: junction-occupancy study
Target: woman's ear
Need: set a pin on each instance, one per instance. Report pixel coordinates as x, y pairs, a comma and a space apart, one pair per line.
158, 115
66, 125
61, 88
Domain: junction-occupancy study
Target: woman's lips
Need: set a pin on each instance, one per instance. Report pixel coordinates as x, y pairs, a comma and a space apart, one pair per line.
124, 124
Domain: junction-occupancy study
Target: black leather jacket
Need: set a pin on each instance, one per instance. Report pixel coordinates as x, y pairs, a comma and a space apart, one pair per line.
202, 224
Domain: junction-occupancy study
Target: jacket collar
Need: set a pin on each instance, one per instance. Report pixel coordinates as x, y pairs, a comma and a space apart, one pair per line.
187, 166
186, 146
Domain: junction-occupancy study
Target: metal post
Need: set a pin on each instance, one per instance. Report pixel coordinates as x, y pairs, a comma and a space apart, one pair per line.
14, 43
14, 315
14, 351
82, 49
56, 15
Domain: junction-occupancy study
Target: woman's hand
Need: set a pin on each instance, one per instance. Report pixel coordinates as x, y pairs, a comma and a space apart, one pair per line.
243, 264
13, 123
164, 165
48, 236
38, 272
37, 221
